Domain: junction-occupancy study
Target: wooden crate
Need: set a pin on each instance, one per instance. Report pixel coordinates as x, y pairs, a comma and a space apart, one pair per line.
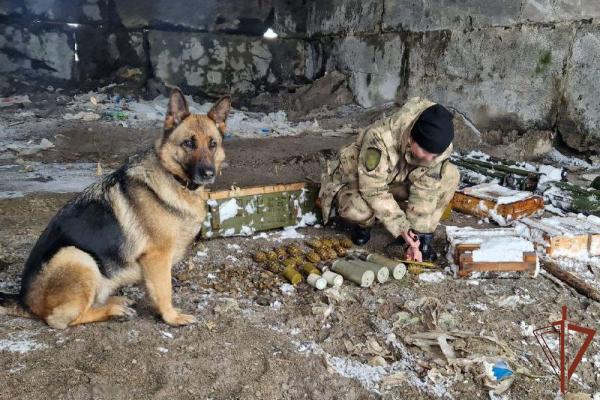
244, 211
464, 260
564, 236
484, 201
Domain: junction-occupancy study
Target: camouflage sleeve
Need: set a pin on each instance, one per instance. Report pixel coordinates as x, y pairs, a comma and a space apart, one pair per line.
373, 171
422, 198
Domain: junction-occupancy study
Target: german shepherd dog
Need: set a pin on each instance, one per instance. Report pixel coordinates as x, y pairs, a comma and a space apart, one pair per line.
131, 226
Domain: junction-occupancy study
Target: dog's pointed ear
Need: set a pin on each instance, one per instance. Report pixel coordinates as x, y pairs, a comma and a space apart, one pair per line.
177, 110
218, 113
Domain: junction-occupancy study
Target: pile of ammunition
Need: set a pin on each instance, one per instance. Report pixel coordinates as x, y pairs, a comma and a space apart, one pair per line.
293, 261
328, 261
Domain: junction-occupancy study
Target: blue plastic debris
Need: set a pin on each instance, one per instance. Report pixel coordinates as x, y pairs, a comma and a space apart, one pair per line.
501, 371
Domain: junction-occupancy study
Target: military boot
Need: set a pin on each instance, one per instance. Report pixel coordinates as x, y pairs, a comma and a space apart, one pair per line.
426, 246
360, 235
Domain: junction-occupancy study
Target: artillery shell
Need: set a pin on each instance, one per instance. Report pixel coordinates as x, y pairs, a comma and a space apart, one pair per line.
354, 273
316, 281
312, 257
347, 243
281, 253
333, 279
290, 263
396, 268
292, 275
340, 250
382, 274
314, 243
272, 256
309, 268
260, 257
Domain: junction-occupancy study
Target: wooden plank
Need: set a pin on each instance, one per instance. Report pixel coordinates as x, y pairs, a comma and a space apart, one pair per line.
572, 280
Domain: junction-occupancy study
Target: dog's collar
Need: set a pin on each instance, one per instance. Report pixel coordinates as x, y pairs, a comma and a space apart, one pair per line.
189, 185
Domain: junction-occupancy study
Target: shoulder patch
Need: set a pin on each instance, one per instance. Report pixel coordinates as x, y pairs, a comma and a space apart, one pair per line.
372, 158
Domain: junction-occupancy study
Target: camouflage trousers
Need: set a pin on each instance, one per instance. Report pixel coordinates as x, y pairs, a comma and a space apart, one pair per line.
352, 207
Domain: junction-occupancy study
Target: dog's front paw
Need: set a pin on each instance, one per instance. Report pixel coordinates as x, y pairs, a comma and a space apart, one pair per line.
122, 312
176, 318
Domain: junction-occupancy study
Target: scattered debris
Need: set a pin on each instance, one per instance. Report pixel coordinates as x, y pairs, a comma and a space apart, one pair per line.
14, 100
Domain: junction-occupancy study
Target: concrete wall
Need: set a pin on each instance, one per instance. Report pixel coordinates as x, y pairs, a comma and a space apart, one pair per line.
207, 46
507, 64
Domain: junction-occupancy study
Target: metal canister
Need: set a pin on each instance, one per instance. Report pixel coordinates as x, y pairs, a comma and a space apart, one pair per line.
382, 274
353, 272
396, 268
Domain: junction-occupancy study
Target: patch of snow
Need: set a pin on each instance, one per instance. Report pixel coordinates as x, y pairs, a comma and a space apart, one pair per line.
166, 334
432, 277
21, 342
228, 209
557, 157
162, 349
261, 235
287, 289
500, 250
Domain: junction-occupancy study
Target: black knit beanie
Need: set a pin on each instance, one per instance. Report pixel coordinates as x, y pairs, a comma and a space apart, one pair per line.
434, 130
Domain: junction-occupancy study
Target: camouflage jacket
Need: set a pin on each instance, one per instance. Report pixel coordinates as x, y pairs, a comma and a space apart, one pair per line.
380, 157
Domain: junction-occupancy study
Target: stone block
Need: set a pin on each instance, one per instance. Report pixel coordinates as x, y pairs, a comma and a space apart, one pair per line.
579, 118
239, 16
217, 63
499, 78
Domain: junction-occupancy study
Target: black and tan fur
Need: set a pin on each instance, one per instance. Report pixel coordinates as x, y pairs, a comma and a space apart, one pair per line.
132, 226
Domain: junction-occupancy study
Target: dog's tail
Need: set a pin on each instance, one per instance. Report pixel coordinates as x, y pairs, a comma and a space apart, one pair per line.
10, 305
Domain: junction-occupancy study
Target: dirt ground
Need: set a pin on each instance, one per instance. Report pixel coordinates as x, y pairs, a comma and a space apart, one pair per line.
256, 338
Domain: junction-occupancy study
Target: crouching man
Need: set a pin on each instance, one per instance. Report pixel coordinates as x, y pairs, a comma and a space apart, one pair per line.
397, 172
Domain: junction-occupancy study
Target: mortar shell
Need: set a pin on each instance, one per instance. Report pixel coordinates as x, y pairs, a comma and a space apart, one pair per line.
292, 275
353, 273
333, 279
382, 274
396, 268
316, 281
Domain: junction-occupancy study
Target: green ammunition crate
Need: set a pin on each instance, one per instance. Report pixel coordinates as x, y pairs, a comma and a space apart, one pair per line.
242, 212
